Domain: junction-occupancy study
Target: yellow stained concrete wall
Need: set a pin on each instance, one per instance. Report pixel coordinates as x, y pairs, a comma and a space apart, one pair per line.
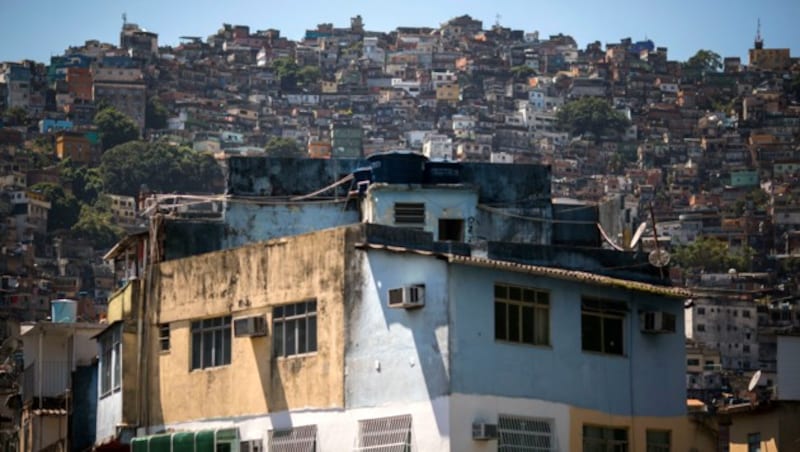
130, 374
684, 434
766, 424
249, 281
122, 303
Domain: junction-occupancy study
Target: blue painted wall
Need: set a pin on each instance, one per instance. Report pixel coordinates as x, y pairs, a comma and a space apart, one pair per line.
440, 203
647, 381
395, 355
247, 223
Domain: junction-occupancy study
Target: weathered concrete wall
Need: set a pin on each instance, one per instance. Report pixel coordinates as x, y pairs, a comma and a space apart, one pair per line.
246, 222
249, 281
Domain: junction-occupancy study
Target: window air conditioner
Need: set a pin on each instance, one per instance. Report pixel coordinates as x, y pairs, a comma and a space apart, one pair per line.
250, 326
657, 322
407, 297
483, 432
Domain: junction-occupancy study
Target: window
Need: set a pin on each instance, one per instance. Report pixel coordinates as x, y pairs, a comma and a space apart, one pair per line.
452, 230
658, 440
409, 214
701, 327
746, 314
295, 439
604, 439
692, 362
521, 433
602, 328
521, 314
294, 328
163, 337
754, 442
388, 434
211, 342
701, 311
110, 361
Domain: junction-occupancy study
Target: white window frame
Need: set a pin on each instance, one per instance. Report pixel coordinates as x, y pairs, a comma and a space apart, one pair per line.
298, 322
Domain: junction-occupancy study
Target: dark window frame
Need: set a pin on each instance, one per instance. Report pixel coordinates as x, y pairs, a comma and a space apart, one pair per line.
299, 319
211, 342
603, 326
518, 311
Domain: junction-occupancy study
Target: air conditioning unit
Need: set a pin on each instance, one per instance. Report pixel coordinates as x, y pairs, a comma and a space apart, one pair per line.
407, 297
482, 431
250, 326
657, 322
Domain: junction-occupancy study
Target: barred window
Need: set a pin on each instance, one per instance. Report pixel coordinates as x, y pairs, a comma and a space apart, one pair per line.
517, 433
387, 434
295, 439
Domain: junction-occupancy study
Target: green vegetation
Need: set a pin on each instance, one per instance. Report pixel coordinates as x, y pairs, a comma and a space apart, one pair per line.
64, 207
704, 61
712, 255
155, 114
96, 225
591, 115
283, 147
161, 166
292, 77
115, 128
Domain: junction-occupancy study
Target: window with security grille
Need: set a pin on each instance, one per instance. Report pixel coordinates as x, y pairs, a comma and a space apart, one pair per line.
387, 434
521, 314
211, 342
523, 434
294, 328
409, 214
604, 439
658, 440
295, 439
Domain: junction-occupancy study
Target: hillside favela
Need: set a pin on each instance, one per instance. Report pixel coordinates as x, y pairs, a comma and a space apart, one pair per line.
463, 237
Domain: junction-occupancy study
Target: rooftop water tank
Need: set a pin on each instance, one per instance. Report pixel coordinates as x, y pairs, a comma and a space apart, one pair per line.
63, 310
397, 167
442, 172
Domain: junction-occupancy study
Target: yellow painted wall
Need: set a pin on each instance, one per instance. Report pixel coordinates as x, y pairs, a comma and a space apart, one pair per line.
685, 434
765, 424
130, 374
249, 281
122, 303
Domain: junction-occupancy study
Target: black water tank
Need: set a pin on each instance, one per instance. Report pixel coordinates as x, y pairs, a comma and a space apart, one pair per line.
397, 167
442, 172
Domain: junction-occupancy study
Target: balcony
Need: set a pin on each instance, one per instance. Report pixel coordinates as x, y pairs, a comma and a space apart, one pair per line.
45, 379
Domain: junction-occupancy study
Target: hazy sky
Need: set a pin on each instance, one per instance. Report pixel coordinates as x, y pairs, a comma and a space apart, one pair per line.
38, 30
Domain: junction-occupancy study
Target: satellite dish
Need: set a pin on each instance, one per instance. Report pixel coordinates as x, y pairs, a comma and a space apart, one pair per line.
754, 380
638, 234
658, 258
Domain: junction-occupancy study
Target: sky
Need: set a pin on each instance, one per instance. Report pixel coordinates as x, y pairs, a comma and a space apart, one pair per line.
39, 30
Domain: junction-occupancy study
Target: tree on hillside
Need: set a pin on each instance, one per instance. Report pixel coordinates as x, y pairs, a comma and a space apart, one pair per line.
96, 225
291, 76
283, 147
155, 114
64, 208
591, 115
161, 166
85, 182
712, 255
115, 127
704, 61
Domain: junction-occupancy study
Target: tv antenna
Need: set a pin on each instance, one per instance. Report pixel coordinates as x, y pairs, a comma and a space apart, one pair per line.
638, 234
754, 381
124, 18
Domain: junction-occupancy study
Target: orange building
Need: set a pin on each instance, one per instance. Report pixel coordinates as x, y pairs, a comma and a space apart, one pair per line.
77, 147
79, 83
